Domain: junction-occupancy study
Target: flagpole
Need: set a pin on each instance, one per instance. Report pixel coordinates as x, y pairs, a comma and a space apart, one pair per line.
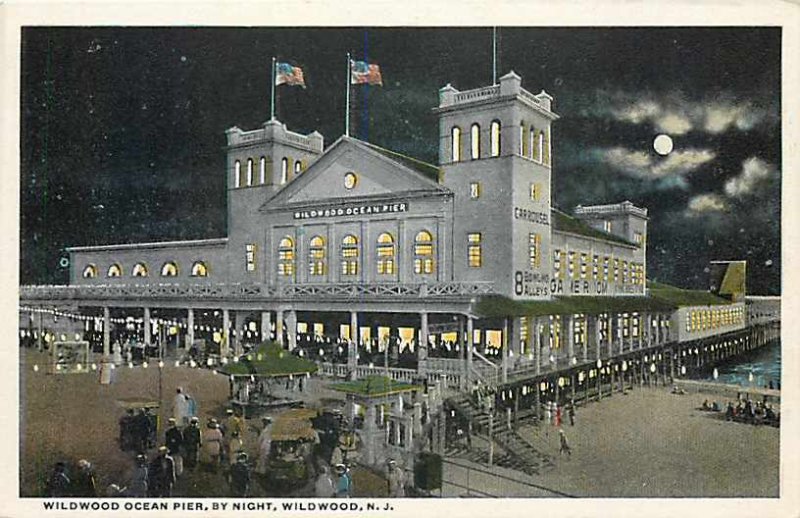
494, 55
347, 102
272, 95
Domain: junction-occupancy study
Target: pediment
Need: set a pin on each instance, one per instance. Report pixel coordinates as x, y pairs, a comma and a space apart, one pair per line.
378, 173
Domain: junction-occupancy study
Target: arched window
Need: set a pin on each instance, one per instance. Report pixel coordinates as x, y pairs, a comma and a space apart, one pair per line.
455, 144
90, 272
316, 256
298, 167
284, 170
170, 269
423, 253
139, 270
546, 147
350, 255
114, 270
237, 174
385, 254
521, 139
262, 171
199, 269
532, 146
538, 149
495, 134
475, 141
249, 171
286, 257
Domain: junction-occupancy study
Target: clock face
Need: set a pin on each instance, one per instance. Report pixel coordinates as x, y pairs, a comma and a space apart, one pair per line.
350, 180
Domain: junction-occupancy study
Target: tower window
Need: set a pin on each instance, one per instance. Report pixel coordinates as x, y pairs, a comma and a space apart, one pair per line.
557, 264
199, 269
474, 251
139, 270
286, 257
350, 255
90, 272
595, 267
237, 174
284, 170
115, 270
521, 150
475, 141
250, 257
455, 144
423, 253
249, 172
532, 143
536, 191
474, 190
495, 134
298, 167
546, 147
385, 254
170, 269
538, 146
584, 265
262, 171
534, 249
316, 256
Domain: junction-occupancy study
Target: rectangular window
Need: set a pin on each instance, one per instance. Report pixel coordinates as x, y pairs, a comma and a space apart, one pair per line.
607, 226
638, 238
534, 244
625, 273
584, 265
606, 274
250, 257
616, 270
595, 266
536, 191
474, 254
571, 263
557, 265
474, 190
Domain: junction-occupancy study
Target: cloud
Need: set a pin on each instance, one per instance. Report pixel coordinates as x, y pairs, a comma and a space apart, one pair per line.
674, 114
705, 203
642, 164
754, 170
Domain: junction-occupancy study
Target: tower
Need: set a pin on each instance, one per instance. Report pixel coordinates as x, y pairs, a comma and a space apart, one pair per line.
495, 155
259, 163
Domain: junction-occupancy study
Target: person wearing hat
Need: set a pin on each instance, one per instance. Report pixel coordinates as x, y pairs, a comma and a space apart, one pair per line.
137, 485
323, 486
264, 446
396, 480
174, 441
239, 476
234, 446
564, 444
181, 407
212, 445
58, 483
161, 474
344, 482
192, 441
234, 423
84, 483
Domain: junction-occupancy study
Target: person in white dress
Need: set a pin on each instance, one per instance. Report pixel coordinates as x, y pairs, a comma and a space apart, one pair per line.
264, 446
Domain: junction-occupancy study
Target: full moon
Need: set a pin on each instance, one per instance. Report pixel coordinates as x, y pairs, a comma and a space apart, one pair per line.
663, 145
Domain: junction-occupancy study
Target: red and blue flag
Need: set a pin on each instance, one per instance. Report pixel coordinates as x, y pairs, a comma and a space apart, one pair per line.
286, 74
363, 73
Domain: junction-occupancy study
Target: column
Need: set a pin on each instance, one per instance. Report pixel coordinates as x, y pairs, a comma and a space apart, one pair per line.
470, 336
422, 346
147, 329
504, 353
189, 328
40, 331
647, 328
106, 333
291, 329
461, 352
569, 326
266, 318
279, 326
536, 345
610, 334
658, 328
352, 346
630, 332
224, 347
238, 335
589, 322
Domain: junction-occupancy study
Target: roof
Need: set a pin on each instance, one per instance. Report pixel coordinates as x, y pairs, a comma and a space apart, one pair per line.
269, 360
661, 297
563, 222
429, 170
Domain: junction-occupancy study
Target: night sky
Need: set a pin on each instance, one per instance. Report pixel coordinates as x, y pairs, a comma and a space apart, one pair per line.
123, 128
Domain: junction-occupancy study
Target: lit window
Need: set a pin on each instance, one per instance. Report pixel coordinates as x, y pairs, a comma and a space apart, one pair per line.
139, 270
595, 266
262, 170
546, 147
638, 238
616, 270
475, 141
385, 251
474, 253
607, 226
533, 146
521, 149
199, 269
316, 256
350, 255
250, 257
169, 269
423, 253
286, 257
114, 270
606, 270
474, 190
249, 171
557, 264
534, 246
584, 265
90, 272
536, 191
538, 146
625, 273
455, 144
284, 170
298, 167
572, 264
237, 174
495, 134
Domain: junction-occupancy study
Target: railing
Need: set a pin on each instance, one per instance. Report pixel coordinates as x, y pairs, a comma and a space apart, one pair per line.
479, 93
256, 291
487, 372
530, 97
341, 370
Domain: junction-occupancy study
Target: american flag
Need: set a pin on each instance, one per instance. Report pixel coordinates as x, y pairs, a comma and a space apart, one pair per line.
363, 73
286, 74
